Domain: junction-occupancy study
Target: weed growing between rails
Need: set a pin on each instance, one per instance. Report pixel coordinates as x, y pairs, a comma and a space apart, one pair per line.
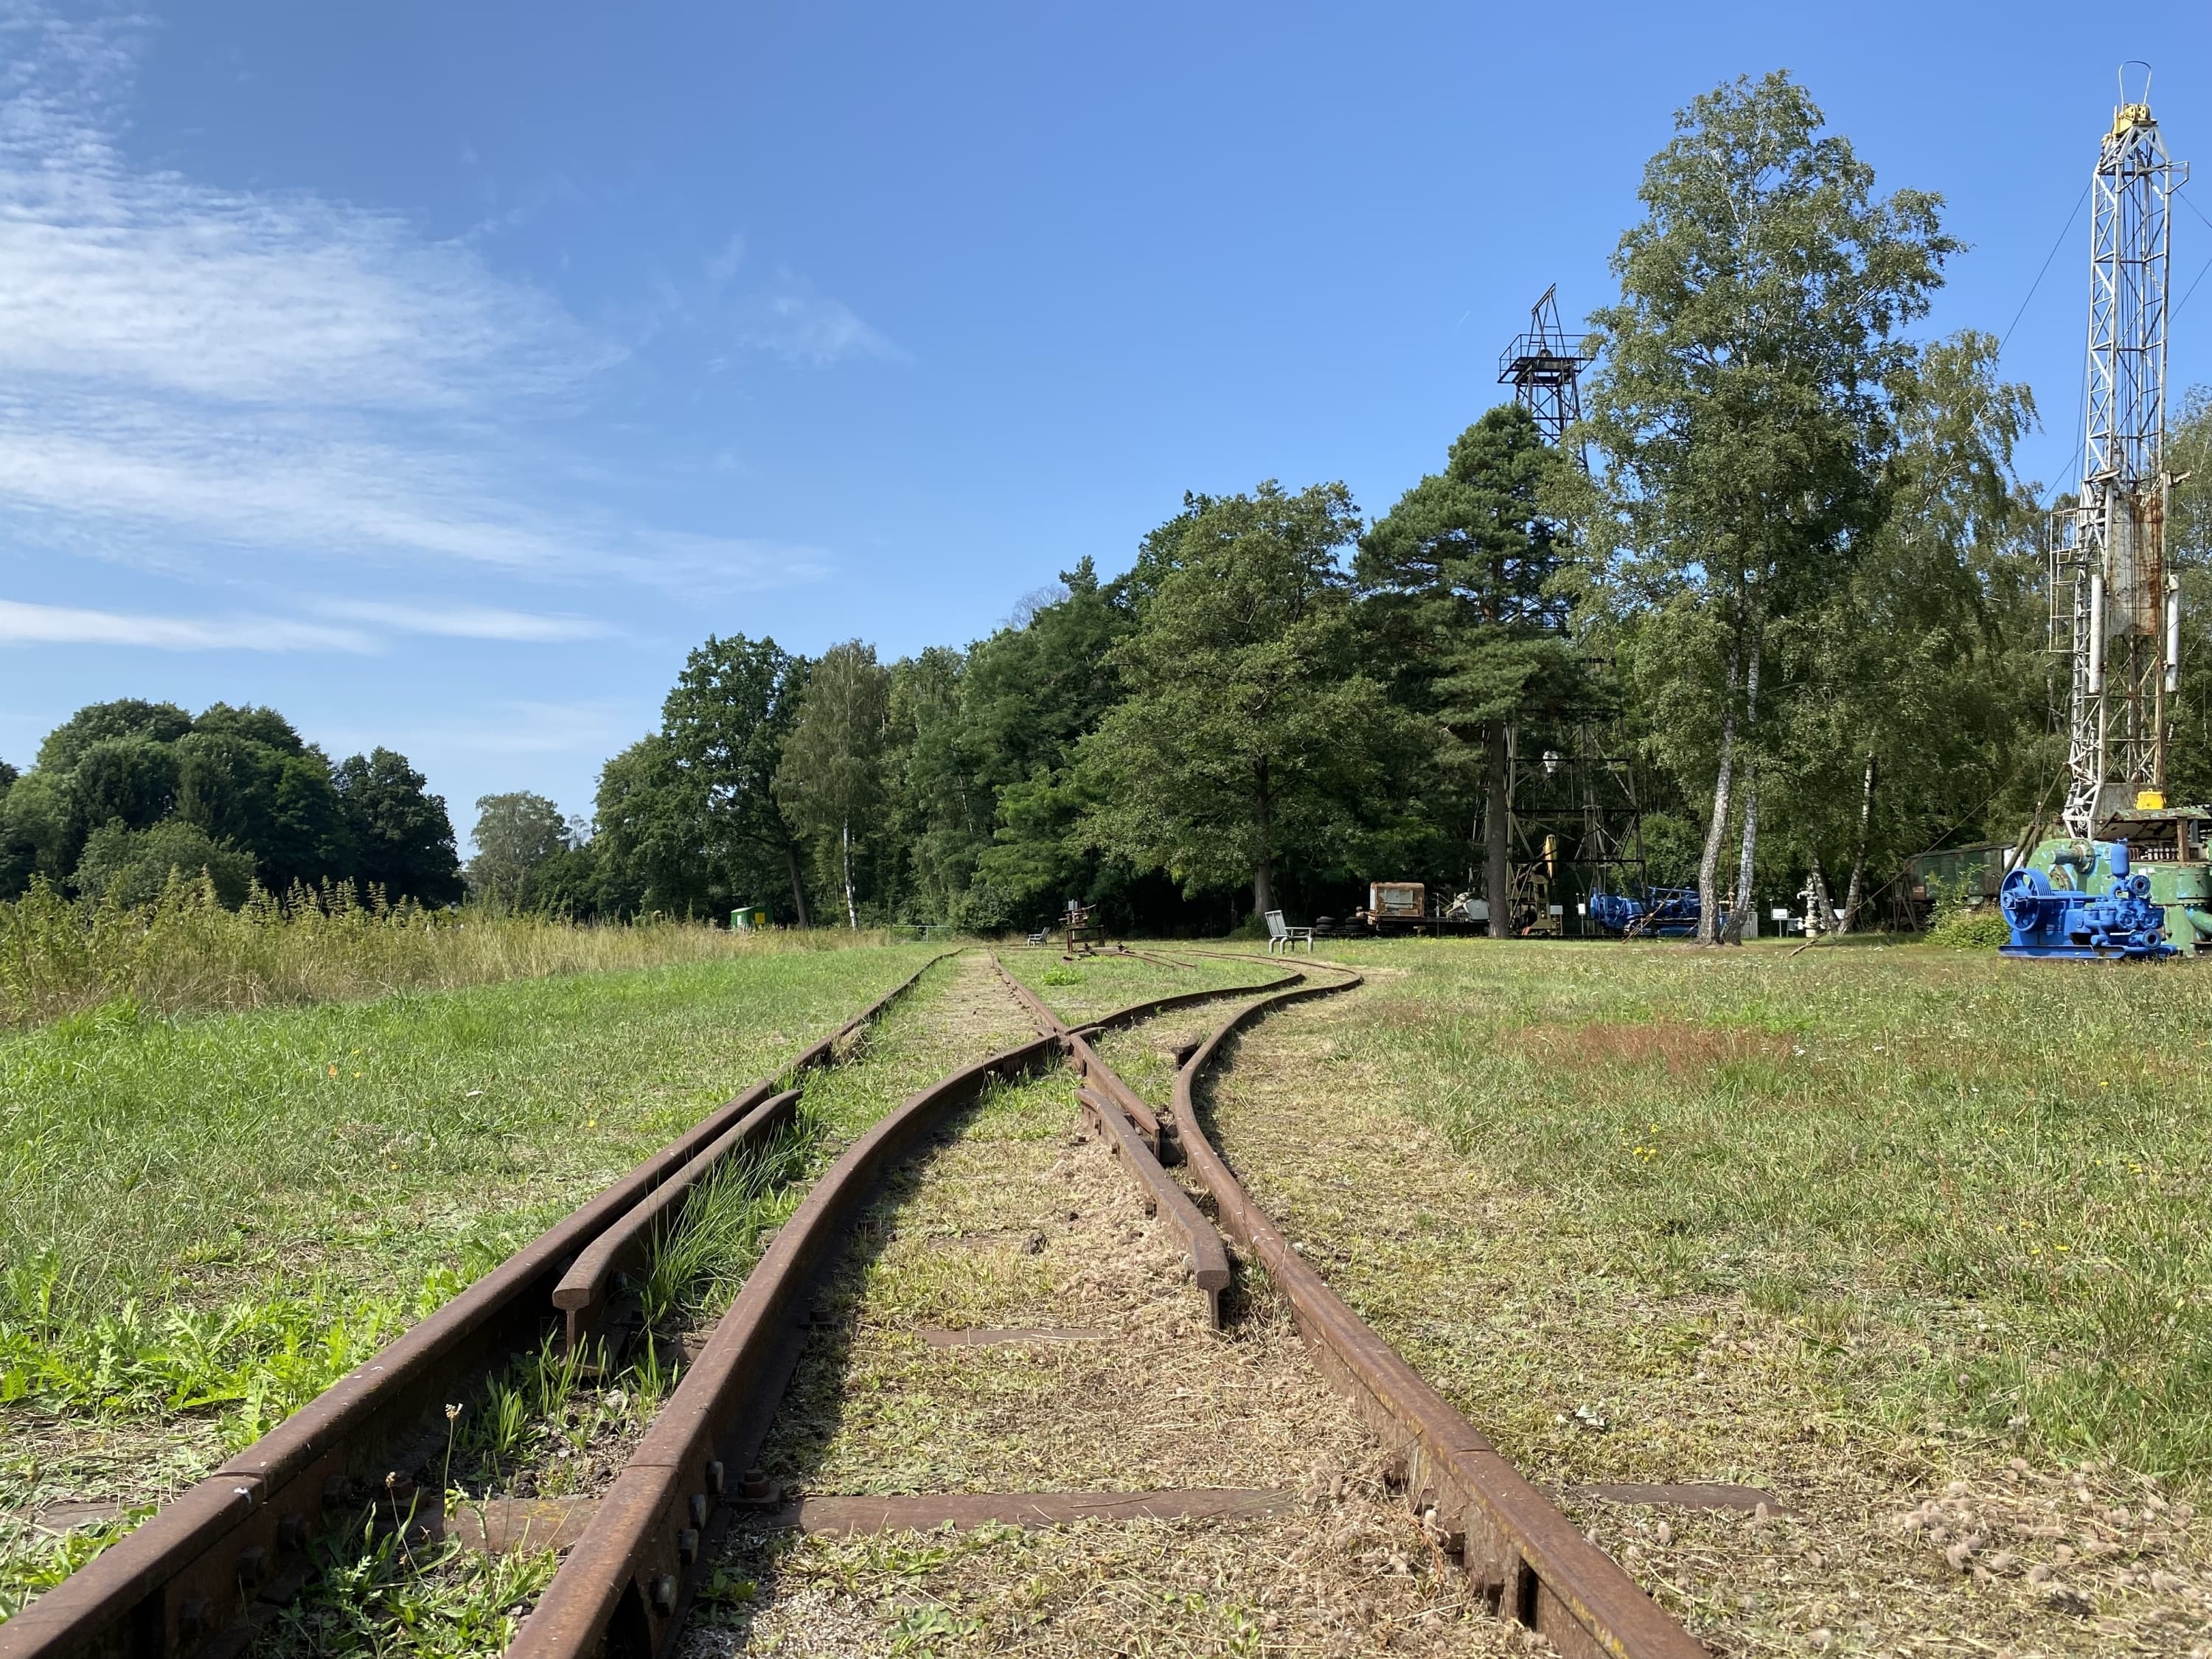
378, 1597
555, 1425
186, 952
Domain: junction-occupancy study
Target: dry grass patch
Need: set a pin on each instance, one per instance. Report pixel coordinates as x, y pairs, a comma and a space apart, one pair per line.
1678, 1045
1016, 1219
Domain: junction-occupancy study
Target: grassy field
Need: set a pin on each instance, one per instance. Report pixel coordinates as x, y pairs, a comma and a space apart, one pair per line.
211, 1216
1881, 1226
1092, 986
186, 953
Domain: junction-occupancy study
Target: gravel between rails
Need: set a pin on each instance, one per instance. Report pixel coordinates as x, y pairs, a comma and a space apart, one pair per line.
1016, 1219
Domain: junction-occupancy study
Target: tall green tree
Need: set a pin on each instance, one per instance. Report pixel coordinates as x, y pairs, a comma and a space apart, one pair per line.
1030, 693
726, 722
1250, 735
831, 780
940, 811
401, 835
247, 779
651, 847
516, 834
1460, 573
1921, 682
1744, 403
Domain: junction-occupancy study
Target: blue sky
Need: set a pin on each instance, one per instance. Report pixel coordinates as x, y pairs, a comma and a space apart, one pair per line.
441, 374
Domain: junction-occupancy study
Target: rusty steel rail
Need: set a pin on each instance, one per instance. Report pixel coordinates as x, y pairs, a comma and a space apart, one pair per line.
1523, 1555
1140, 1115
624, 1589
626, 1246
1048, 1021
237, 1538
1145, 1144
1209, 1257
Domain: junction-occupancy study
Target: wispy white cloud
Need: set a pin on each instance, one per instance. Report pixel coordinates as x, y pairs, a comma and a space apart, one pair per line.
50, 624
364, 627
782, 314
793, 321
149, 281
469, 622
186, 370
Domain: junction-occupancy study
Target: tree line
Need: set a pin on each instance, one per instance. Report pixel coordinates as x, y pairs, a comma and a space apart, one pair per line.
1784, 565
1785, 560
124, 792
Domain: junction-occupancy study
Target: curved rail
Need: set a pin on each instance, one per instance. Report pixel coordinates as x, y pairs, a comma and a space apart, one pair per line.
623, 1590
1523, 1554
238, 1538
582, 1295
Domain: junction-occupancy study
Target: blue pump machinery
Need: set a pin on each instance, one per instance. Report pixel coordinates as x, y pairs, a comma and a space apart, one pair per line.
1663, 912
2048, 920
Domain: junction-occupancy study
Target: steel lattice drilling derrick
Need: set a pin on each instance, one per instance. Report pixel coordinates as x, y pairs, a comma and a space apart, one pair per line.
1544, 367
2130, 876
2110, 549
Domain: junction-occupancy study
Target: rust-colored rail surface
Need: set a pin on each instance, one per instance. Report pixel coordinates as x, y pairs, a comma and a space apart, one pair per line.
625, 1587
1523, 1554
184, 1583
623, 1590
1209, 1257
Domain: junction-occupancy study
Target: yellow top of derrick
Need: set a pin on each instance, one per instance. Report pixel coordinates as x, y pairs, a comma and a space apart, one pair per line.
2131, 115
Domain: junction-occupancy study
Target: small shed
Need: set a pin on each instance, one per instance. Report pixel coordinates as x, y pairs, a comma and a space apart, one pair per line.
747, 917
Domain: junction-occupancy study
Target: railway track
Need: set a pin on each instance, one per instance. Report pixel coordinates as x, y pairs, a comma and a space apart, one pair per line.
199, 1578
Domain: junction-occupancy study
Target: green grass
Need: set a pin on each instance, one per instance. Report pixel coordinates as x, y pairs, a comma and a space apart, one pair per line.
34, 1561
1972, 1191
374, 1595
185, 952
224, 1212
1091, 986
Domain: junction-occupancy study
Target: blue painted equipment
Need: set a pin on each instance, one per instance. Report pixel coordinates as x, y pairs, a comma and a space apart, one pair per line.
1663, 912
2063, 921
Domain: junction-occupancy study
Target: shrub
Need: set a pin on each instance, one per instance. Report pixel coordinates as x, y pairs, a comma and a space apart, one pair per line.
132, 867
1963, 927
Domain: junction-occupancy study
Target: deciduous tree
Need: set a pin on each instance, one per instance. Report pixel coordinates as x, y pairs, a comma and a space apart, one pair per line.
1248, 734
726, 722
516, 833
831, 781
1742, 406
401, 835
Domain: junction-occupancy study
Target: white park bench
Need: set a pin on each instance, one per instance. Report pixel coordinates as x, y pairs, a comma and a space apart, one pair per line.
1283, 937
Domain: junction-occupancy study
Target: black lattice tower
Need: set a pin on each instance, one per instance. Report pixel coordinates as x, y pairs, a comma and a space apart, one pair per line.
1544, 367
